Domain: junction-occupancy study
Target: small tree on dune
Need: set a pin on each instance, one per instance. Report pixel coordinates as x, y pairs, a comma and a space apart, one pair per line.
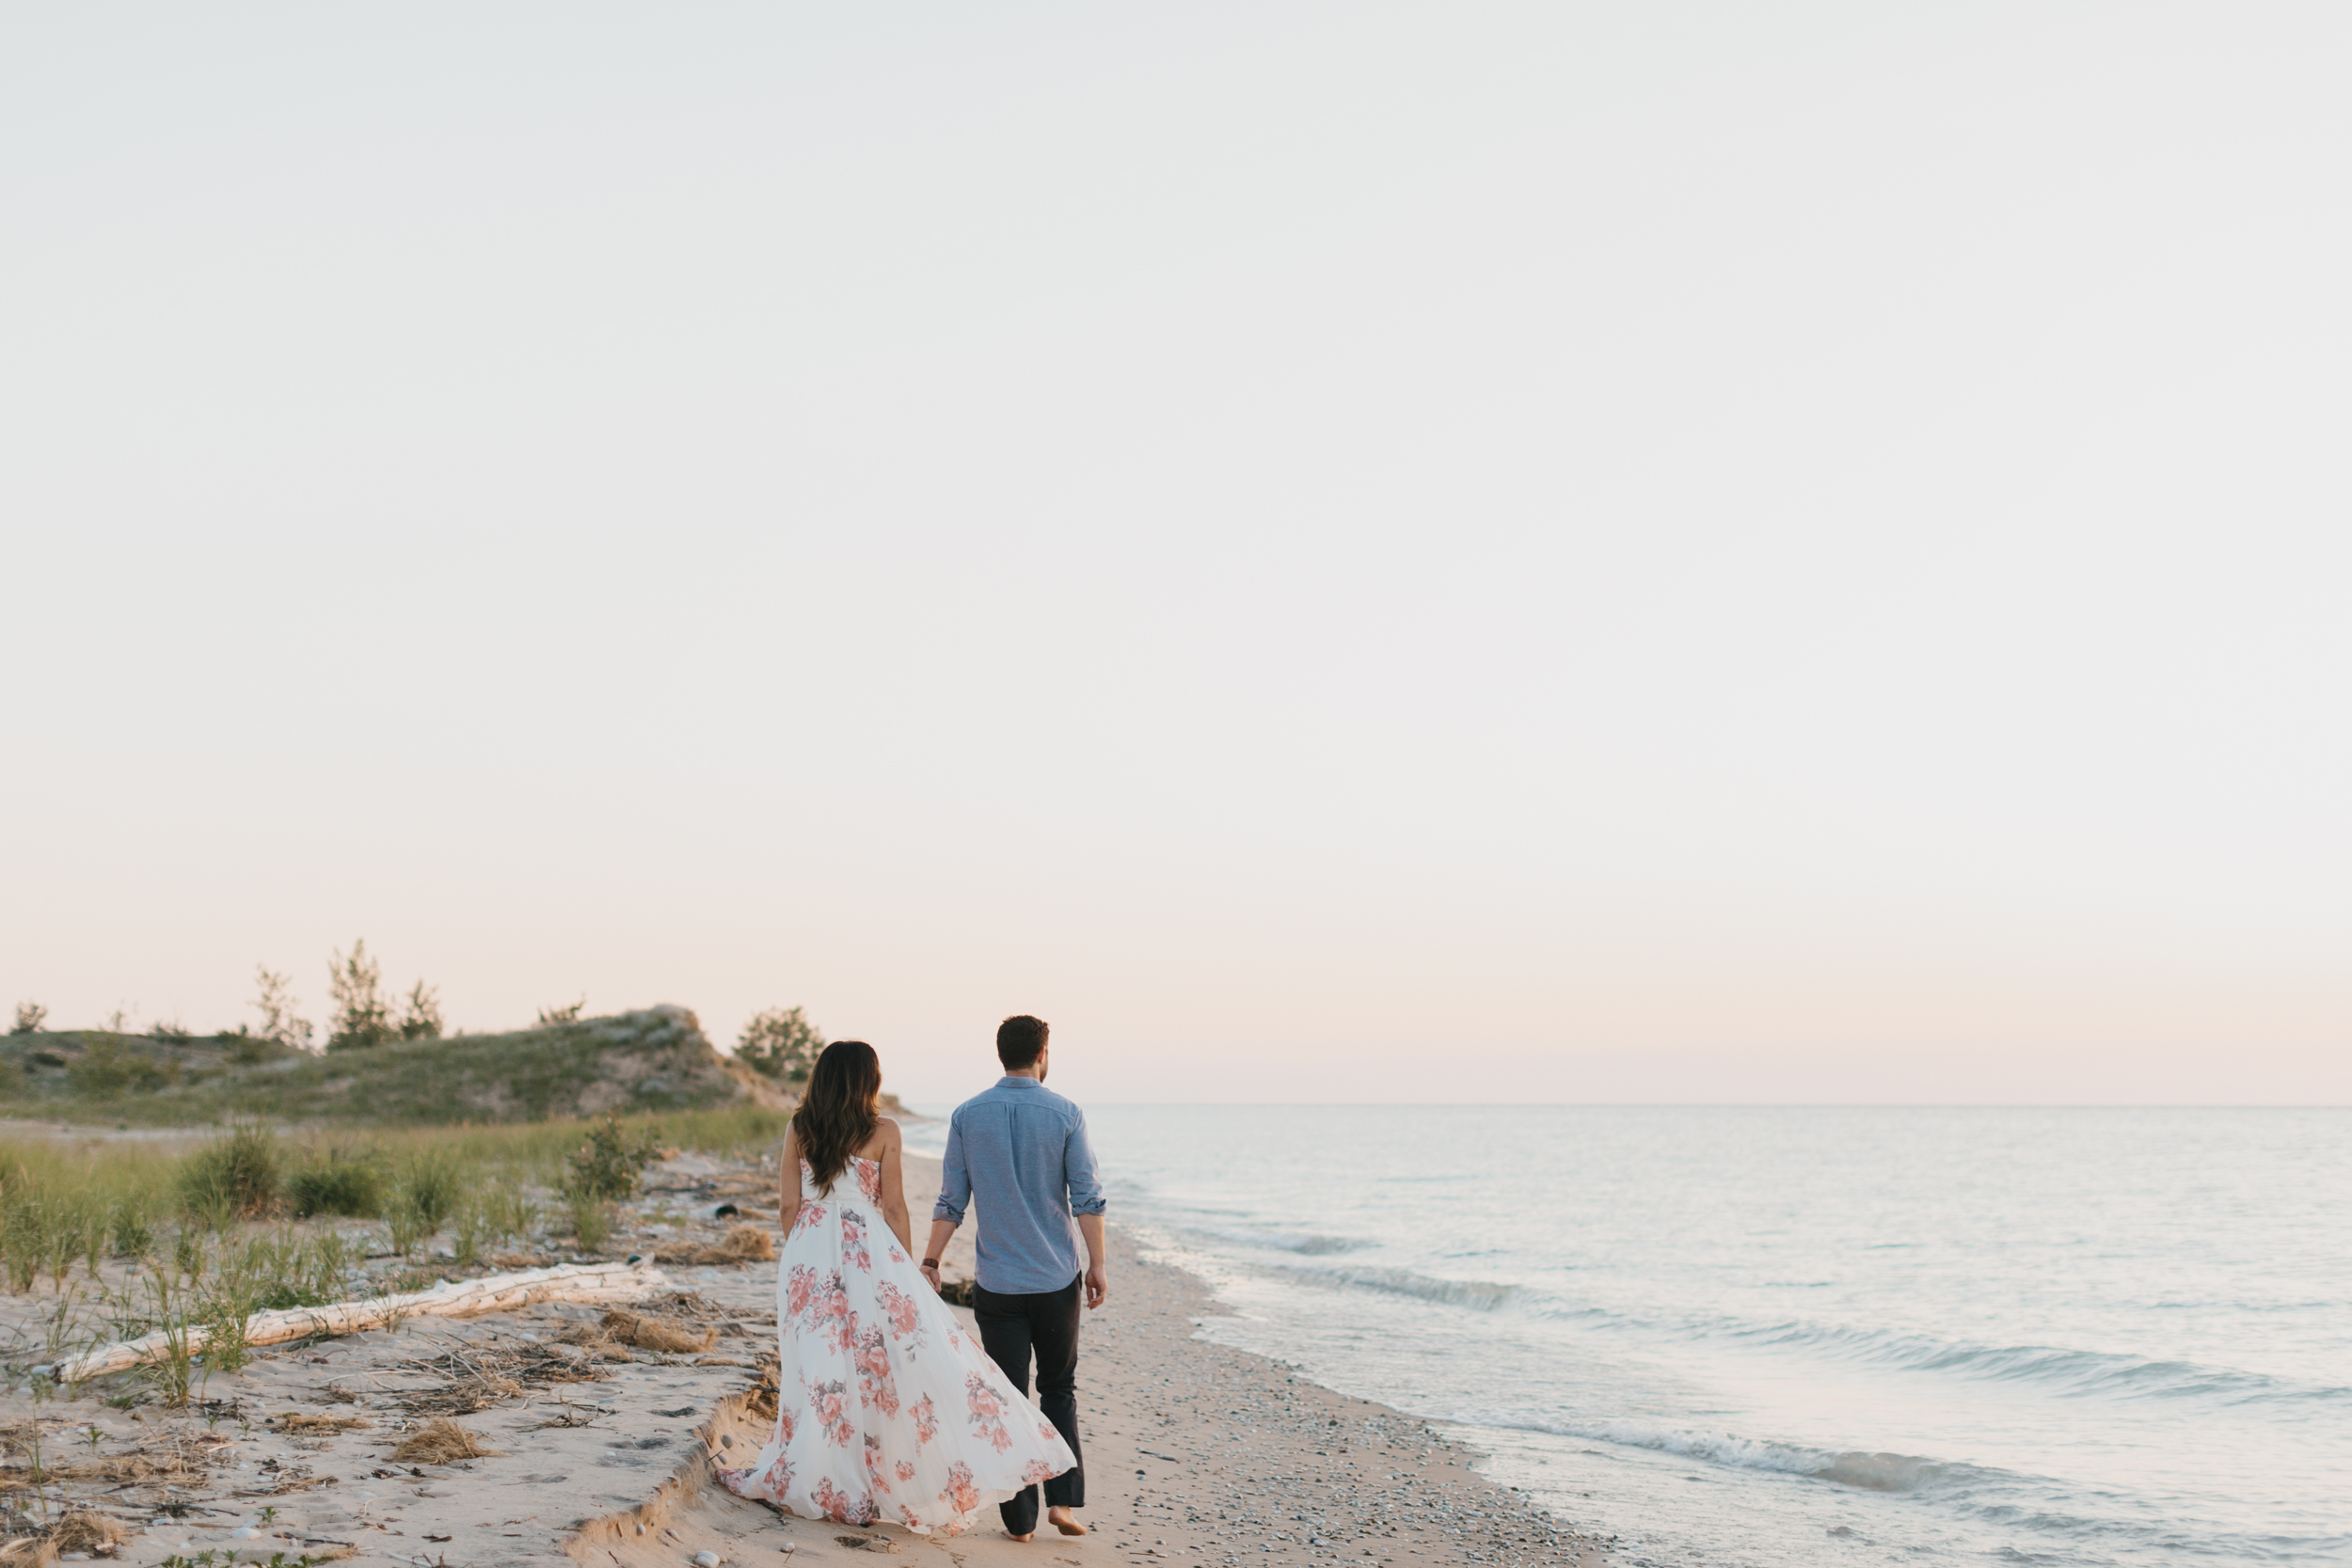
277, 1005
30, 1016
362, 1016
421, 1020
781, 1043
363, 1013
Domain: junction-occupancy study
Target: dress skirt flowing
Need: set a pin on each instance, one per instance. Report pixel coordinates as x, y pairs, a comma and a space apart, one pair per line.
885, 1407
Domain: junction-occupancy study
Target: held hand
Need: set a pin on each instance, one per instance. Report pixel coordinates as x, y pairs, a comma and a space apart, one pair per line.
930, 1272
1098, 1285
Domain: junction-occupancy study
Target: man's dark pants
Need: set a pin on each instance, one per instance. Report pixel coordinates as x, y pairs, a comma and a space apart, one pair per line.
1011, 1328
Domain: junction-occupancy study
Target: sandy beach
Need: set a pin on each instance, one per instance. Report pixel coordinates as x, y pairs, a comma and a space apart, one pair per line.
601, 1450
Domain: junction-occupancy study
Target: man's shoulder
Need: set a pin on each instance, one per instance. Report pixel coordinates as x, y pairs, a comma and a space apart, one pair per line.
1033, 1094
986, 1097
1062, 1104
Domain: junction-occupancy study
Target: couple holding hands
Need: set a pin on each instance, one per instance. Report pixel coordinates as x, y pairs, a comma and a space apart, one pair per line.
886, 1409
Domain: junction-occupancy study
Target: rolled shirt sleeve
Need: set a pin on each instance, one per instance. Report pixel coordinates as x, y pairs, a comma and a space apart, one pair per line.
1080, 1172
955, 1179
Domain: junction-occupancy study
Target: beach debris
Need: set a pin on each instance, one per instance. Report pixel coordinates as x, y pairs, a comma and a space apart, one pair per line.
123, 1468
77, 1531
309, 1425
483, 1375
464, 1397
80, 1530
657, 1334
441, 1441
498, 1293
705, 1559
744, 1243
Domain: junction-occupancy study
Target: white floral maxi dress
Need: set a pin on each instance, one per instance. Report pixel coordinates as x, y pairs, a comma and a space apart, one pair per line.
885, 1407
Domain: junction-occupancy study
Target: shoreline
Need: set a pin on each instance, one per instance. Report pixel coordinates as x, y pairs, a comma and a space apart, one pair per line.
1197, 1455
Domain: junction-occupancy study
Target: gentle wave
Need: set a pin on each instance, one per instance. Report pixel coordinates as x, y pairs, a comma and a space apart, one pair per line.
2085, 1372
1481, 1295
1307, 1245
2079, 1371
1874, 1472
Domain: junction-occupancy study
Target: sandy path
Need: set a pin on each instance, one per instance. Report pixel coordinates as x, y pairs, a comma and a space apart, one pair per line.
1196, 1456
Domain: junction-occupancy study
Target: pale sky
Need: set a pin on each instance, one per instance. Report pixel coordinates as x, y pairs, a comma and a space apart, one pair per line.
1586, 552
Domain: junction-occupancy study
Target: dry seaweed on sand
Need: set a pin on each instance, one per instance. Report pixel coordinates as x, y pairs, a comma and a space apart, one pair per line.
665, 1335
122, 1468
565, 1417
595, 1343
127, 1468
80, 1530
744, 1243
691, 1306
533, 1366
441, 1441
297, 1422
278, 1481
463, 1396
481, 1376
77, 1531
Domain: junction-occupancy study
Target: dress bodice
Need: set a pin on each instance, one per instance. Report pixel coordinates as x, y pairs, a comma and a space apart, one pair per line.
868, 1174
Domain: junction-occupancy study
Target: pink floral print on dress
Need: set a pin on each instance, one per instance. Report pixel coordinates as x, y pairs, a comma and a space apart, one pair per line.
988, 1412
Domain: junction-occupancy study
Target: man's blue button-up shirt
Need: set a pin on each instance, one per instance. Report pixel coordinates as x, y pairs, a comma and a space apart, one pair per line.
1021, 1150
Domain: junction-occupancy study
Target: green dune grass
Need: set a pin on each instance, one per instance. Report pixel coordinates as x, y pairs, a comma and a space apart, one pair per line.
655, 1059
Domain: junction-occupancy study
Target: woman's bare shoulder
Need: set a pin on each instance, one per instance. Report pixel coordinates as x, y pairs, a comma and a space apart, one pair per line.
884, 1140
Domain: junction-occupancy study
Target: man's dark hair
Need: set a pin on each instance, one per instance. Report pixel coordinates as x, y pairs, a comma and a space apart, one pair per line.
1020, 1041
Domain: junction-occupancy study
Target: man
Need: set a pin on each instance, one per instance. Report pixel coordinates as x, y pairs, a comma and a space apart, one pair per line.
1022, 1150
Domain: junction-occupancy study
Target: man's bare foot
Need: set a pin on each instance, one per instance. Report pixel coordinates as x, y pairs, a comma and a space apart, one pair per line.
1064, 1521
1024, 1540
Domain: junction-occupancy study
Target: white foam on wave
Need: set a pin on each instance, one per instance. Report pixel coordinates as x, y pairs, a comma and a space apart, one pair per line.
1874, 1472
2065, 1369
1481, 1295
1305, 1244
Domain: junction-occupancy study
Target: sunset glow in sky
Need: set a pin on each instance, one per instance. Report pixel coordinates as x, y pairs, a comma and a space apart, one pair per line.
1661, 552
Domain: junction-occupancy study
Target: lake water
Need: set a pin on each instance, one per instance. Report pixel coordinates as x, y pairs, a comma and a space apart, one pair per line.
1773, 1336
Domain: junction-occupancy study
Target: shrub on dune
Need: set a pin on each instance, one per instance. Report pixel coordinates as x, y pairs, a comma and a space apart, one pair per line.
337, 1184
241, 1174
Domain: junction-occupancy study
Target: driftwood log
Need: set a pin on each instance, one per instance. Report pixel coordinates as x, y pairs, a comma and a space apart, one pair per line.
466, 1298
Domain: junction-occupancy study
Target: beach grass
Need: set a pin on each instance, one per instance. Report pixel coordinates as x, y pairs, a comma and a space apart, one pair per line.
111, 1236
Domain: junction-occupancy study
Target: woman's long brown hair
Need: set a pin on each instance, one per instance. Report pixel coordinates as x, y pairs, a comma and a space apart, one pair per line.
841, 1109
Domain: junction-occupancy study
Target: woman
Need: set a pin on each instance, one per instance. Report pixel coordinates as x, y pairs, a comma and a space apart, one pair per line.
885, 1408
